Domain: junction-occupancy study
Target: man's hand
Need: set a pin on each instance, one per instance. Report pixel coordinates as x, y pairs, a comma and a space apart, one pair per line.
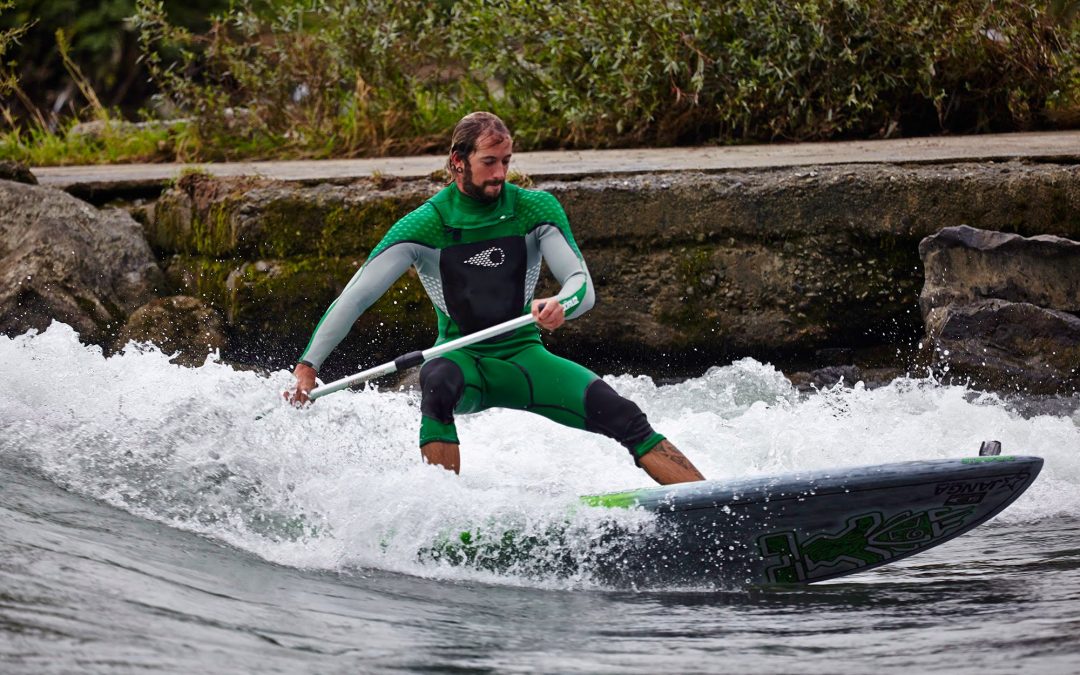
305, 382
551, 316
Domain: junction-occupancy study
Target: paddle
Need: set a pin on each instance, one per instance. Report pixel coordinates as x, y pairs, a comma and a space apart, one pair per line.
413, 359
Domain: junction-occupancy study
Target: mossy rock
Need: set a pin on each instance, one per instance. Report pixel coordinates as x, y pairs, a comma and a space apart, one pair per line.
182, 326
272, 306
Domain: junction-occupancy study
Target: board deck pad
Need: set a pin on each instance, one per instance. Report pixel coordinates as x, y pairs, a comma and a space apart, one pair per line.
796, 528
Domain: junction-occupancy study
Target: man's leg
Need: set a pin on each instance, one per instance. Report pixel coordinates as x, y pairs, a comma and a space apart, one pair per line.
666, 465
442, 454
571, 394
442, 385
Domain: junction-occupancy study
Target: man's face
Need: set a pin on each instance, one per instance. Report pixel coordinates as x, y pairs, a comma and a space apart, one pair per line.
483, 172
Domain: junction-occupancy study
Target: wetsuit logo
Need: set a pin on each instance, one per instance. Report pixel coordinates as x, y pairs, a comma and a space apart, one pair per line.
492, 257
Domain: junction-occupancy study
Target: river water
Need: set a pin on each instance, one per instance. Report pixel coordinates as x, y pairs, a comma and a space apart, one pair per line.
158, 518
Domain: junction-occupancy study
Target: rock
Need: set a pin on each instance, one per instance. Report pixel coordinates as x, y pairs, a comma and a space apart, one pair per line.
963, 265
1005, 346
14, 171
179, 325
1000, 309
847, 375
61, 258
824, 378
271, 307
96, 130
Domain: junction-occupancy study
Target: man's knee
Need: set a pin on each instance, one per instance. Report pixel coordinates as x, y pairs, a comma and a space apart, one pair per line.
608, 413
441, 386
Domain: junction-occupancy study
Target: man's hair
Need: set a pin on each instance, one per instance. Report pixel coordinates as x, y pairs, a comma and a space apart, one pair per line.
469, 131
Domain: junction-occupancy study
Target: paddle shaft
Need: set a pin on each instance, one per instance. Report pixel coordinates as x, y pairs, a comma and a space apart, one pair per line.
412, 359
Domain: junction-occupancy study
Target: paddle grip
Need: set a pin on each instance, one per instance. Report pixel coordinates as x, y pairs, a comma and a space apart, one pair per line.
410, 360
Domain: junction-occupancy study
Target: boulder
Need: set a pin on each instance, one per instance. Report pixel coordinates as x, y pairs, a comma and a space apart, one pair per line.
963, 265
14, 171
180, 325
61, 258
1005, 346
1000, 309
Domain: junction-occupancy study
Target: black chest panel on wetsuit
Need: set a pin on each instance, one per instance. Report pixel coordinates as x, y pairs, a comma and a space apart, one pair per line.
484, 282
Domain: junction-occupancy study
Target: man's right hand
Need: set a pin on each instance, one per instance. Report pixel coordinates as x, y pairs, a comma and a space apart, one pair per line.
305, 382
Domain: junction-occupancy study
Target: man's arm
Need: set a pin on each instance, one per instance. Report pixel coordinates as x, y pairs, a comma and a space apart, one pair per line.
566, 263
366, 286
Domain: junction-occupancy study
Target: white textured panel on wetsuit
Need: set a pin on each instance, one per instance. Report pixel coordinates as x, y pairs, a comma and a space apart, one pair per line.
433, 286
532, 277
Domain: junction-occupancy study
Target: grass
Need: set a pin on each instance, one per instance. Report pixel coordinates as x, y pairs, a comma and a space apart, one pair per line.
116, 144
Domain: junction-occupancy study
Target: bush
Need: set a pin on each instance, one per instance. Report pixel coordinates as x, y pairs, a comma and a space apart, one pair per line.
321, 78
669, 71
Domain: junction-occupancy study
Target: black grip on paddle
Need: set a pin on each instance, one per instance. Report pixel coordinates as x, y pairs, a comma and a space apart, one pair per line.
406, 361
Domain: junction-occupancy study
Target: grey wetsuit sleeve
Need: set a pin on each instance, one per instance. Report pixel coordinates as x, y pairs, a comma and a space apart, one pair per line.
366, 286
576, 294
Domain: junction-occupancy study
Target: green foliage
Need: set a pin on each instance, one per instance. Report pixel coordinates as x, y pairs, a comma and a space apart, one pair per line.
675, 70
313, 78
337, 77
66, 60
102, 43
8, 38
10, 35
322, 78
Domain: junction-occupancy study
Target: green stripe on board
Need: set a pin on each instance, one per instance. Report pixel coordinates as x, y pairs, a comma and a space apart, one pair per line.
983, 460
615, 500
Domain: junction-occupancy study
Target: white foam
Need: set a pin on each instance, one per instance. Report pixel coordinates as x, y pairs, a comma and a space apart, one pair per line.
340, 484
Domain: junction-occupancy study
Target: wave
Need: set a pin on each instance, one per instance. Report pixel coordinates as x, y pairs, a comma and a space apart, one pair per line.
340, 485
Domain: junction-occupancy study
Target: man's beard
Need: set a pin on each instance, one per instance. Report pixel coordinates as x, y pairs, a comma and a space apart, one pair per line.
477, 191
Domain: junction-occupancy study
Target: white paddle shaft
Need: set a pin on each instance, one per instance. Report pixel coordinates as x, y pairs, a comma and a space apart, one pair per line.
416, 358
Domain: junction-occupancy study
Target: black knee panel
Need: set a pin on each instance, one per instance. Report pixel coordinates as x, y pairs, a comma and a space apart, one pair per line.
614, 416
441, 386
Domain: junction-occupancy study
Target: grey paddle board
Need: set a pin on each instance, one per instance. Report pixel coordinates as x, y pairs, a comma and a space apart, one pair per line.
819, 525
795, 528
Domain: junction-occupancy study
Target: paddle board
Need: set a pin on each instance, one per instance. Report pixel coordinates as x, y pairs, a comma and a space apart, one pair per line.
790, 529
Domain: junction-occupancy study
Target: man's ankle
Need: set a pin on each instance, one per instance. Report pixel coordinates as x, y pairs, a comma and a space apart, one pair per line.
441, 453
666, 465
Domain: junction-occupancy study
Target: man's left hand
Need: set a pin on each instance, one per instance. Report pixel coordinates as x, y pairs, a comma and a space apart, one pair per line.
551, 316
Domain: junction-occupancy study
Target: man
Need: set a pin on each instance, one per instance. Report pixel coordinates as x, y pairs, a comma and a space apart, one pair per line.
477, 247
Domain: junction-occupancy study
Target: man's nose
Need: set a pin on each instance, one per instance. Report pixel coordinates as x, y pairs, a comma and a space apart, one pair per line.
500, 172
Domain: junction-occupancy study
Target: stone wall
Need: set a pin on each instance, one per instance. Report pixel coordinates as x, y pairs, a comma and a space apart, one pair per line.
691, 269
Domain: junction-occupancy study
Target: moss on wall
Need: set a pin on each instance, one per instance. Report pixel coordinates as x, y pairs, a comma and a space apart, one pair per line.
226, 218
271, 306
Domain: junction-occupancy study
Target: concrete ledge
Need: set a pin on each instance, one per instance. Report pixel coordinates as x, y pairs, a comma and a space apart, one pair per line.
98, 183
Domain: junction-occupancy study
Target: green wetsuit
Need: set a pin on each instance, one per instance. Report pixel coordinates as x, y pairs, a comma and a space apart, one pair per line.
480, 264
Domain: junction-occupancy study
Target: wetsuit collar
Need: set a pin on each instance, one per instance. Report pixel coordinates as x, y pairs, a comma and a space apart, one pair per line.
460, 211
